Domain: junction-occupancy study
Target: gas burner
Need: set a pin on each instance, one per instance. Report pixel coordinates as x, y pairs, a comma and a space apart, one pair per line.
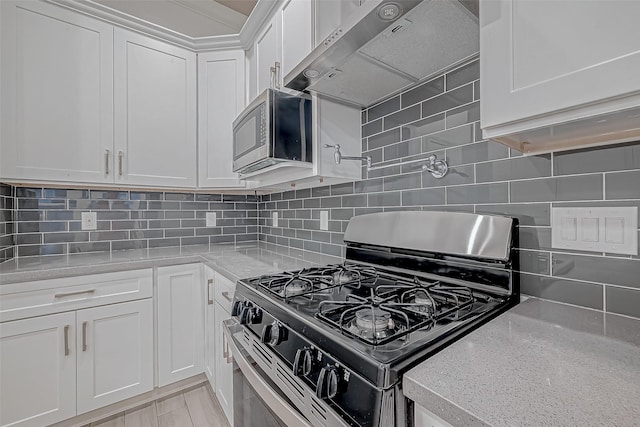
372, 323
296, 287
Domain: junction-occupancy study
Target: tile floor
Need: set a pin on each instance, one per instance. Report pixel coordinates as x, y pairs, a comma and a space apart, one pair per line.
197, 407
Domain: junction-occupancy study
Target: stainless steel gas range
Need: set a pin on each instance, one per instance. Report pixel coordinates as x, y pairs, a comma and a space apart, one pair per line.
327, 346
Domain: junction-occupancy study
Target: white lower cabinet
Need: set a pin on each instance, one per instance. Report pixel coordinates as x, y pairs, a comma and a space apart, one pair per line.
224, 365
38, 367
209, 330
425, 418
74, 344
114, 353
180, 301
223, 290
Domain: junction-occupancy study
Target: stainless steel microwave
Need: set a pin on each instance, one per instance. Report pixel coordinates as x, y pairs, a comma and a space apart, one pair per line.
276, 127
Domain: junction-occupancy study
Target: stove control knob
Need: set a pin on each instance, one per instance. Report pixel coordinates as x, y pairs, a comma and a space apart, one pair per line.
250, 315
237, 307
273, 334
303, 362
328, 382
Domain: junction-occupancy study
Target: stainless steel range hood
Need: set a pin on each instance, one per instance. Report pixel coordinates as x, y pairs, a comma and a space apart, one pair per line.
386, 46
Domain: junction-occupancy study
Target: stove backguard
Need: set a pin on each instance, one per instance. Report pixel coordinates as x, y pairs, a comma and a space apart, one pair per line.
471, 250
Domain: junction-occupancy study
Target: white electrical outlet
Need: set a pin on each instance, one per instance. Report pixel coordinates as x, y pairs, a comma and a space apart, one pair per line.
275, 219
324, 220
211, 219
89, 221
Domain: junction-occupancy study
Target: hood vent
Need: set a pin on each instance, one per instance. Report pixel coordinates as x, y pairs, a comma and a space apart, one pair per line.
369, 58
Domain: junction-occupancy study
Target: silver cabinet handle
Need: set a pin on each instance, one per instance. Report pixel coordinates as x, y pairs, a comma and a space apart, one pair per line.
66, 340
107, 154
84, 335
209, 286
226, 296
120, 158
272, 77
68, 294
277, 75
225, 348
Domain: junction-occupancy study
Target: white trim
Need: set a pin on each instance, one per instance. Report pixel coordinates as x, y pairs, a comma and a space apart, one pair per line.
262, 13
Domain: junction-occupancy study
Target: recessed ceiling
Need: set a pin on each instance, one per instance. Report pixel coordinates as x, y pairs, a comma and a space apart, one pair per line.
193, 18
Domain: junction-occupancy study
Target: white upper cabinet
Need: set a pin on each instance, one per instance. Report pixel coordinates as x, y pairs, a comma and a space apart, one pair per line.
267, 54
155, 104
57, 95
281, 44
296, 22
559, 74
221, 87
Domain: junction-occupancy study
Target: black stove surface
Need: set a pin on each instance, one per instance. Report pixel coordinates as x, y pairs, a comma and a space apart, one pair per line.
374, 320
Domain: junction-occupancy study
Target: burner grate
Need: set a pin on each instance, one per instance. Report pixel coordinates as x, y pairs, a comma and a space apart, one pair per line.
392, 312
316, 280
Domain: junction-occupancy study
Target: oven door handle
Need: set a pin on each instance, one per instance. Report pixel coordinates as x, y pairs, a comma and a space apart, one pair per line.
289, 415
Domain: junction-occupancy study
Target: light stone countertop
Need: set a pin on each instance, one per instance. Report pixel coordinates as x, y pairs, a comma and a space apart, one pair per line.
539, 364
233, 261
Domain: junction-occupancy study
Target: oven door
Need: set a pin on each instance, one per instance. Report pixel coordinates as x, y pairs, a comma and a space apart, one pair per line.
256, 399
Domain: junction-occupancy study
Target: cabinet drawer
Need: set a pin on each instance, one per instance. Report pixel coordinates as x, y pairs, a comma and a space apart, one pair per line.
224, 290
56, 295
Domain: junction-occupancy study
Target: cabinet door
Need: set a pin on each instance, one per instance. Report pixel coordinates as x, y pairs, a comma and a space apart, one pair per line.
224, 365
296, 22
537, 58
155, 112
57, 94
180, 323
115, 353
38, 366
267, 54
221, 86
210, 330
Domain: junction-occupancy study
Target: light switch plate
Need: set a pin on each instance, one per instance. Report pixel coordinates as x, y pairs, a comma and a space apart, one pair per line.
612, 230
89, 221
212, 218
275, 219
324, 220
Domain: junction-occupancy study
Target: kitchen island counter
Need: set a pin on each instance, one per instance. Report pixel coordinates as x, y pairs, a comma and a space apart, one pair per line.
233, 261
539, 364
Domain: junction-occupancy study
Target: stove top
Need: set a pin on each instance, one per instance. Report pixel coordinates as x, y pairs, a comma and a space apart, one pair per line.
372, 306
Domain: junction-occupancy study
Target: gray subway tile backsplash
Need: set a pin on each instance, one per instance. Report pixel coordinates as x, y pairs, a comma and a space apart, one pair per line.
484, 177
582, 187
585, 294
623, 185
623, 301
47, 221
512, 169
463, 75
447, 101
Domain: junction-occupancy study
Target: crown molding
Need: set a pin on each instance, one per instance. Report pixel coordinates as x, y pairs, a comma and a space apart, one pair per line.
262, 12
